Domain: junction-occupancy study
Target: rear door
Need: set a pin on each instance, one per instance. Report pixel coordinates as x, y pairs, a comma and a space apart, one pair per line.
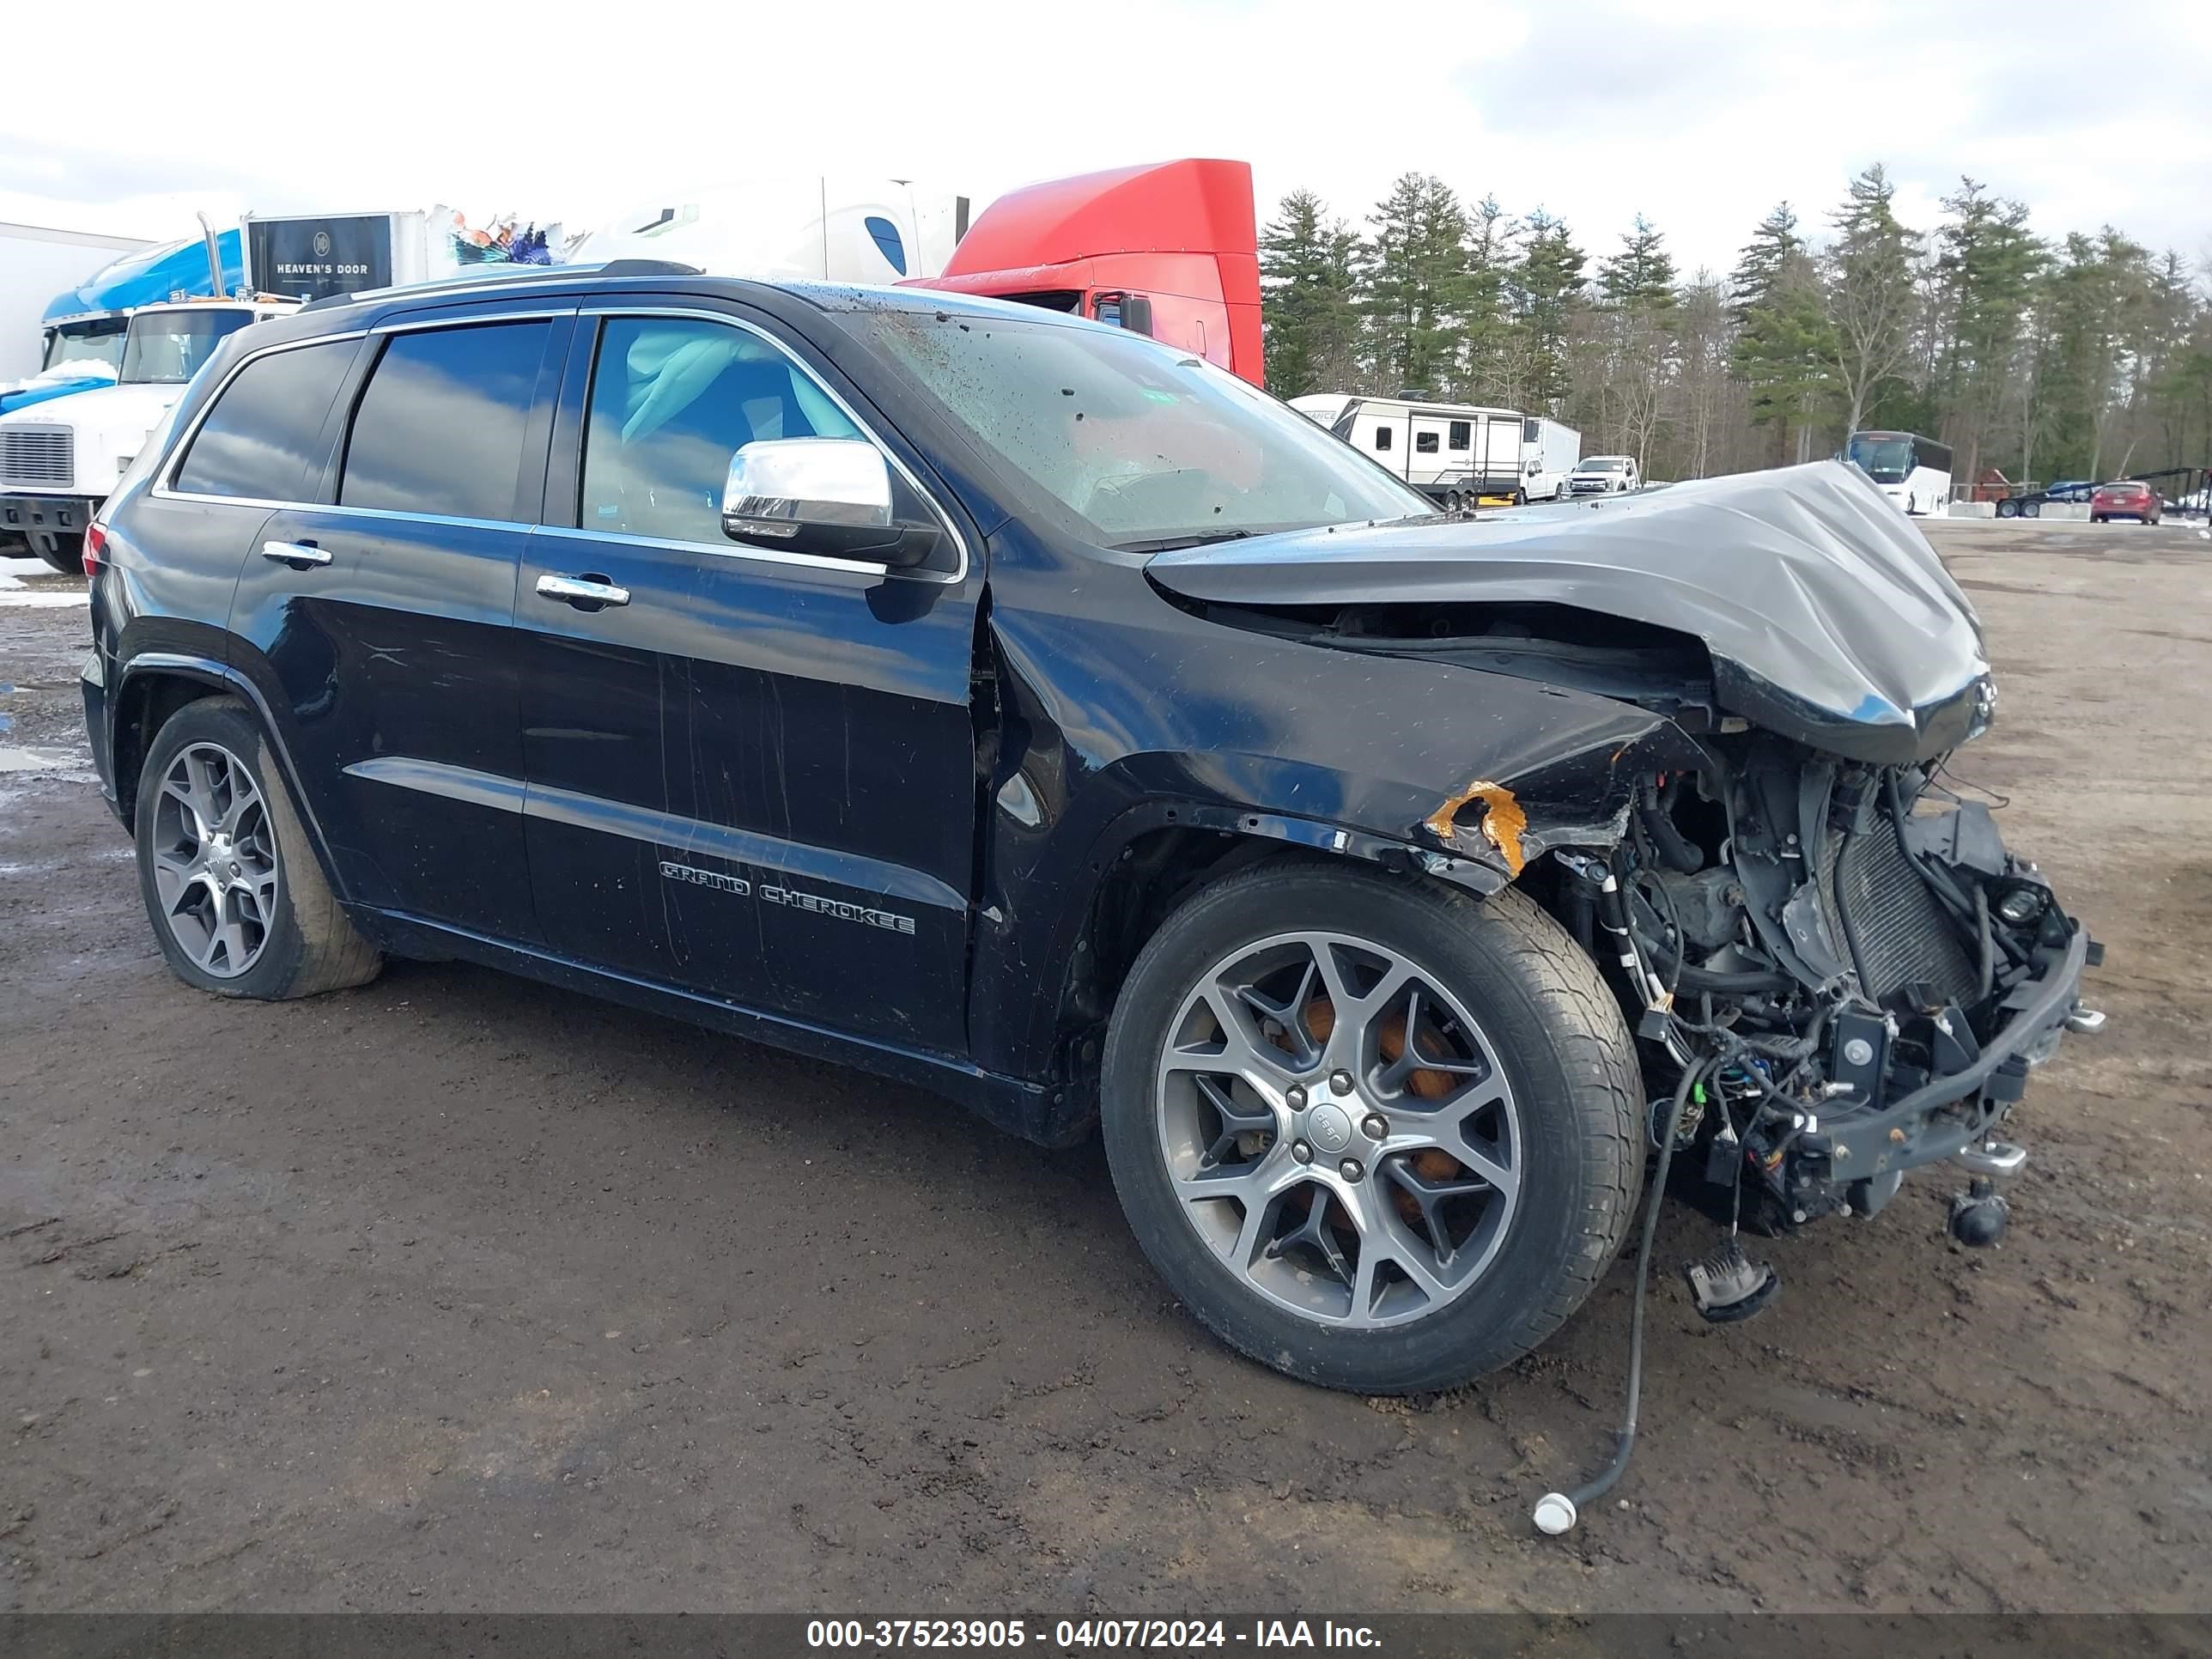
1499, 468
384, 608
1382, 434
752, 774
1427, 432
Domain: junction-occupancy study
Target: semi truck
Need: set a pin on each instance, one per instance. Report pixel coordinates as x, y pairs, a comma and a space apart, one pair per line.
34, 261
60, 459
317, 256
1169, 250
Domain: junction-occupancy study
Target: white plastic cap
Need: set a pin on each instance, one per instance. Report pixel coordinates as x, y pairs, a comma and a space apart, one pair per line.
1555, 1513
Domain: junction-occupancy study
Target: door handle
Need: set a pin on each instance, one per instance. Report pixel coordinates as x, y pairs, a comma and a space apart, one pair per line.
294, 553
582, 591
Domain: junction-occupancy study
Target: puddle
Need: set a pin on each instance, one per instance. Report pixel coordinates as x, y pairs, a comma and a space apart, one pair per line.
26, 758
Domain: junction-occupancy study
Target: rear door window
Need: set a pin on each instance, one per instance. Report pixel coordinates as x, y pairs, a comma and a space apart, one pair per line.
266, 428
441, 427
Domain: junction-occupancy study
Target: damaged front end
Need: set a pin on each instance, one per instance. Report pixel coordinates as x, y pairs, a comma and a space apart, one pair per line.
1861, 971
1808, 926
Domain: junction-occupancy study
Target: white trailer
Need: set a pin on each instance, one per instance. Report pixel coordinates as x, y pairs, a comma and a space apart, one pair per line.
1455, 453
37, 263
816, 226
314, 256
1549, 451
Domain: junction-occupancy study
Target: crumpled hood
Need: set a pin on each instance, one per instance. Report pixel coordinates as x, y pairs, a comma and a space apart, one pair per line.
1827, 614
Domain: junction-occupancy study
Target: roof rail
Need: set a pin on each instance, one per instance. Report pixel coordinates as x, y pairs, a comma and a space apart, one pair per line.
648, 268
481, 275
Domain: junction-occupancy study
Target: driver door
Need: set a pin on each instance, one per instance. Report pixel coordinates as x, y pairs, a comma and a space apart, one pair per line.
751, 773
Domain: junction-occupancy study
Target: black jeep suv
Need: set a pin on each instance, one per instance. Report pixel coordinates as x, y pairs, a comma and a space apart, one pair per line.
1032, 711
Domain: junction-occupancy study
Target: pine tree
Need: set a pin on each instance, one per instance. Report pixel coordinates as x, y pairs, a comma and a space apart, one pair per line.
1783, 348
1306, 277
1986, 264
1641, 276
1547, 287
1873, 292
1485, 328
1632, 339
1413, 274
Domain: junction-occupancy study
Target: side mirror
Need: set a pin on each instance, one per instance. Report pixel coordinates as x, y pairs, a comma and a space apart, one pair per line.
832, 496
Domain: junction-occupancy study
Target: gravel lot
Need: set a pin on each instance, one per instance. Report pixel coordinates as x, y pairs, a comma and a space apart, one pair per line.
457, 1292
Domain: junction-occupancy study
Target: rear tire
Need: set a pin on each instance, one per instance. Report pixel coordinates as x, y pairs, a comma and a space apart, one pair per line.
1534, 1027
238, 901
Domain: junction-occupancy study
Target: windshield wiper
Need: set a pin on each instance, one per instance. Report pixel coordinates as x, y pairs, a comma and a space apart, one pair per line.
1171, 543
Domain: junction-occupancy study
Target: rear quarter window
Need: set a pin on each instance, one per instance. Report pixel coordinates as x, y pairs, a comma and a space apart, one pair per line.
441, 427
265, 430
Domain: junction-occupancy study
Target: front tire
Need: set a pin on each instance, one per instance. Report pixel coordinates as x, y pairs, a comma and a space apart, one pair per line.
1375, 1133
64, 553
239, 904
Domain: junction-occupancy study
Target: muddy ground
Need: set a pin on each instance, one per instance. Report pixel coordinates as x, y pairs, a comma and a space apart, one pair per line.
457, 1292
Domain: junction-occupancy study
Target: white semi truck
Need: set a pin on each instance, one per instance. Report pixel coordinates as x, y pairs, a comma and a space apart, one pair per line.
59, 460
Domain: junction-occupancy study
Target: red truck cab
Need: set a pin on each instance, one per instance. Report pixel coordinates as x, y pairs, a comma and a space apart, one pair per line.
1170, 250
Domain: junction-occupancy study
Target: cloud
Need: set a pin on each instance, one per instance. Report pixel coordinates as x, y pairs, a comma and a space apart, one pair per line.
1700, 113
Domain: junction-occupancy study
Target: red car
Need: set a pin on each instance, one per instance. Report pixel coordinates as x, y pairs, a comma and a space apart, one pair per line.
2123, 501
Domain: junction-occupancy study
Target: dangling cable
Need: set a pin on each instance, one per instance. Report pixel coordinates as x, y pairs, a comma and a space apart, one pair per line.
1556, 1511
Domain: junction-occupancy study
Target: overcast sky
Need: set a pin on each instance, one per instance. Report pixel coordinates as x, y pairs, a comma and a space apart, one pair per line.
1699, 113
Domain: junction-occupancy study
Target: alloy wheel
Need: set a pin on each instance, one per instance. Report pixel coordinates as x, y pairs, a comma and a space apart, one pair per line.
1338, 1130
214, 861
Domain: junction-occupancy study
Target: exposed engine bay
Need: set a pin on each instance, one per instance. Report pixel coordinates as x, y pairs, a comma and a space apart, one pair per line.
1860, 970
1735, 792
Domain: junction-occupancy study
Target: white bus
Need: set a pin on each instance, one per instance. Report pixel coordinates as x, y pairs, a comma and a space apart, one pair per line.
1913, 472
1455, 453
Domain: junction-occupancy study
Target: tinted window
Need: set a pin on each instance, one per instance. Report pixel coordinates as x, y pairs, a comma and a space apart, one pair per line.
1461, 430
673, 400
257, 439
1381, 437
440, 427
1425, 443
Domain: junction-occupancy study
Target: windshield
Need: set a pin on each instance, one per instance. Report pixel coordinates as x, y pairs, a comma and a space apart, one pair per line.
94, 343
1138, 447
1886, 460
1601, 463
167, 348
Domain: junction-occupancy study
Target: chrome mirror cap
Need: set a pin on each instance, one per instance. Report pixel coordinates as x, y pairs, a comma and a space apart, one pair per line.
778, 486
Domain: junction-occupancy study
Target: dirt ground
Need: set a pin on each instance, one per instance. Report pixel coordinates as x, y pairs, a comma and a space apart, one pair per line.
457, 1292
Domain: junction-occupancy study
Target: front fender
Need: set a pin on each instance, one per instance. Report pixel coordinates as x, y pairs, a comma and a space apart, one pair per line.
1137, 717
